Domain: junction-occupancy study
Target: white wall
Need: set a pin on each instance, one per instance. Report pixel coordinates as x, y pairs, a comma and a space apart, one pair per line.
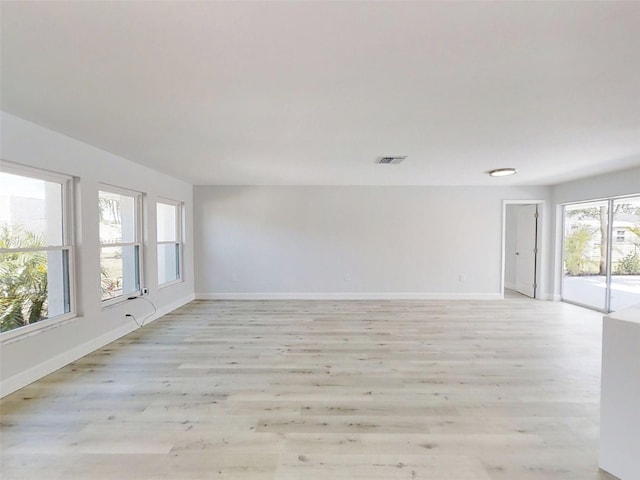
323, 242
620, 183
26, 358
624, 182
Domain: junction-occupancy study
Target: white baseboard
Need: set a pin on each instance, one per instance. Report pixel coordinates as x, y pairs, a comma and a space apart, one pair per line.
551, 297
171, 307
32, 374
547, 296
510, 286
349, 296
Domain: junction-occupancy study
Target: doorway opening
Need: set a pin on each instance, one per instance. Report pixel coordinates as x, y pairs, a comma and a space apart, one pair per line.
521, 247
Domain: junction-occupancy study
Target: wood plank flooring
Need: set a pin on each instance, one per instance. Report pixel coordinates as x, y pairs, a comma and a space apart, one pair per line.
284, 390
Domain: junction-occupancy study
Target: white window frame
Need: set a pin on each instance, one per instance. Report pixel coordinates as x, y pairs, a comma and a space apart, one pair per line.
137, 196
178, 241
68, 228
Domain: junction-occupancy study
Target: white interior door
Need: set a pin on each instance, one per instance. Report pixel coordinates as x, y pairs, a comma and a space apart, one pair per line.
527, 220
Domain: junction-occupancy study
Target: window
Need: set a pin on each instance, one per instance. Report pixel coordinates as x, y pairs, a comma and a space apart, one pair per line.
36, 252
169, 225
602, 255
120, 243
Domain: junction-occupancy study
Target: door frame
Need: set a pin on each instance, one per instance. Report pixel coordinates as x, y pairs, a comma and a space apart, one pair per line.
541, 244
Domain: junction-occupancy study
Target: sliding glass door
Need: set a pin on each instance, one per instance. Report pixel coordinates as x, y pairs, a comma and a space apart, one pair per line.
584, 279
625, 253
601, 254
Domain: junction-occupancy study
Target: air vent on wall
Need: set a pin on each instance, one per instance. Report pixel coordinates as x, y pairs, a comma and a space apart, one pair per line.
390, 160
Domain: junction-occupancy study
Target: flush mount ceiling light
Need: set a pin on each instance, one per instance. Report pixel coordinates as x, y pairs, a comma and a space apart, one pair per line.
390, 160
503, 172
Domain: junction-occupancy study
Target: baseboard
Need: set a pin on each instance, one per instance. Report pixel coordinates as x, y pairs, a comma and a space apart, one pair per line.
510, 286
32, 374
549, 297
349, 296
171, 307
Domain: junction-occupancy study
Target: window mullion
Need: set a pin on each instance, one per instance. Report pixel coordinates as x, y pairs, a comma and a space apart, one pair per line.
609, 254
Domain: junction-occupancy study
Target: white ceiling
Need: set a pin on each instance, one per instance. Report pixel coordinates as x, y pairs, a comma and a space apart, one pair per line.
293, 93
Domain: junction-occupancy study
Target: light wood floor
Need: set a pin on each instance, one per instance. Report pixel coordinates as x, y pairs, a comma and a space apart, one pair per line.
285, 390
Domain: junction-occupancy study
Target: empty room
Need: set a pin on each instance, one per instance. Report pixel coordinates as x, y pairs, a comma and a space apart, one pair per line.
319, 240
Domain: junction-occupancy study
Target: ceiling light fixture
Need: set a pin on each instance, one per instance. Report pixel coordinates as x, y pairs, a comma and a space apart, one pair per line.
503, 172
391, 160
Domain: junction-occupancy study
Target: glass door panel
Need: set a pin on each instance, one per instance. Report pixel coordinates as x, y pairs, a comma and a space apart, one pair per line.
625, 253
584, 275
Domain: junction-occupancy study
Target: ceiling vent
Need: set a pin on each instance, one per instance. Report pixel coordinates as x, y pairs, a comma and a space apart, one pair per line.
390, 160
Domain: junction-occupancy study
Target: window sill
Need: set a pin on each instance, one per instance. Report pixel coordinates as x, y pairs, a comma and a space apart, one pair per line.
170, 284
115, 301
21, 333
